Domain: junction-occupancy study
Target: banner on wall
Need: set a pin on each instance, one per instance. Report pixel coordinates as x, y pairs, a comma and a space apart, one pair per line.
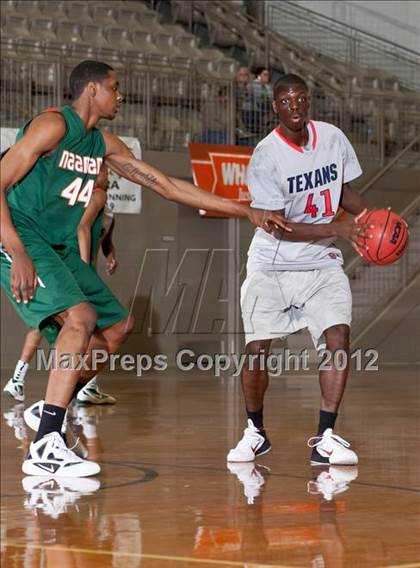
123, 196
7, 137
222, 170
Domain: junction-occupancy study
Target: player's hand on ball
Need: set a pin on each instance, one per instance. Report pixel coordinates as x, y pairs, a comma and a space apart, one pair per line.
361, 232
268, 220
355, 232
23, 278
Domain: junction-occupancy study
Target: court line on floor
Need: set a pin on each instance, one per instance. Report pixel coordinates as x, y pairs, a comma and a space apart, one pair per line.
287, 475
416, 565
148, 475
142, 556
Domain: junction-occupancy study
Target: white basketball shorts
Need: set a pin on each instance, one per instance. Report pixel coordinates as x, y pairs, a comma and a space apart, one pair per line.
277, 303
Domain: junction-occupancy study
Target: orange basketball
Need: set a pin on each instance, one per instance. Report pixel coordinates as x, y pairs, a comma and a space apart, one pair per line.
390, 236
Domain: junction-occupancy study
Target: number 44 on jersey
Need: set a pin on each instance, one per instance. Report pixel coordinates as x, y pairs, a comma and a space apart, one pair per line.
75, 192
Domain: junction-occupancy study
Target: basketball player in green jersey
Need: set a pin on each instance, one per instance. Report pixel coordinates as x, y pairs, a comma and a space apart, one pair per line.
50, 173
92, 233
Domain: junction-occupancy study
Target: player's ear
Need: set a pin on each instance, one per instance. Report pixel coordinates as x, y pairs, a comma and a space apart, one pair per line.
92, 88
274, 106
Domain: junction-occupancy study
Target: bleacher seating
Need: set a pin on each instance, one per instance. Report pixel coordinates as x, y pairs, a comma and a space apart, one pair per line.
180, 44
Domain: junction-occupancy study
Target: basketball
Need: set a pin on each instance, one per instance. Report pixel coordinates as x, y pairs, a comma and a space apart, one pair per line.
390, 236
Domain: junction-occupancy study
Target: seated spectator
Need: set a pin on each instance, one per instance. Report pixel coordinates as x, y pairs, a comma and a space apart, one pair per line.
262, 95
245, 135
215, 117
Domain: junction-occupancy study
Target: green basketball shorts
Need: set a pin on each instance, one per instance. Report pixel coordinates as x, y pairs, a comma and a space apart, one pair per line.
64, 280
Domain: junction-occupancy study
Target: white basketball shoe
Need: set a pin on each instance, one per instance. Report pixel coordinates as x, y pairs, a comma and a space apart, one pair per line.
331, 449
32, 417
92, 394
50, 456
16, 389
251, 445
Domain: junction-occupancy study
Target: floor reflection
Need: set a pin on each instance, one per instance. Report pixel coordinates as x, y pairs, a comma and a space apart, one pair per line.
266, 529
331, 480
13, 417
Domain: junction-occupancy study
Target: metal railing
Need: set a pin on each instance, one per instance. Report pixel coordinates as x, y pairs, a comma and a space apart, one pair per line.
166, 109
169, 108
364, 16
346, 44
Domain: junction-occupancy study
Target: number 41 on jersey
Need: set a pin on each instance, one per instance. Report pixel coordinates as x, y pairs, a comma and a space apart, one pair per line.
312, 210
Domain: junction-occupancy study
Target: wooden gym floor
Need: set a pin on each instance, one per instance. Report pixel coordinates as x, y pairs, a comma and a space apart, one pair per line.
165, 497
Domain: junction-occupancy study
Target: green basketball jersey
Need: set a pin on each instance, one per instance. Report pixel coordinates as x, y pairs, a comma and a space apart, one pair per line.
52, 197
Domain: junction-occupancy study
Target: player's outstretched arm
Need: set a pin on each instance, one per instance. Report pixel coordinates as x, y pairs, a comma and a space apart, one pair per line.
42, 135
122, 161
267, 220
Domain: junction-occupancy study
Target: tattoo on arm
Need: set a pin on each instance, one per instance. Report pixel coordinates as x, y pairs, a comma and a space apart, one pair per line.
134, 171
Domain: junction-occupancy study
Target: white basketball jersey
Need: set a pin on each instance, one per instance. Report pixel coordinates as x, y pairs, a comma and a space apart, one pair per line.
307, 183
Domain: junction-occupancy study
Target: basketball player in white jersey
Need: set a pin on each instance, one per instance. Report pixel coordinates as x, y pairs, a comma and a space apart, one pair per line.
302, 169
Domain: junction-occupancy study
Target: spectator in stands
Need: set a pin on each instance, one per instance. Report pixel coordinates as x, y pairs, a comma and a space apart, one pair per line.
215, 118
245, 135
261, 86
262, 95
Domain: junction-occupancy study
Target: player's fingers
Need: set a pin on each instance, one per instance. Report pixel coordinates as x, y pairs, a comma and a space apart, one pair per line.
15, 288
30, 289
24, 288
34, 285
360, 242
357, 249
363, 233
266, 225
280, 222
360, 215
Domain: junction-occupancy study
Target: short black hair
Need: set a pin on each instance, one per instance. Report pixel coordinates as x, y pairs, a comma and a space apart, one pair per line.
258, 70
287, 81
86, 71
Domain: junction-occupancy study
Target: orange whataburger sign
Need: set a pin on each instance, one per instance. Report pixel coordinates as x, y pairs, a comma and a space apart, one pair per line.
221, 170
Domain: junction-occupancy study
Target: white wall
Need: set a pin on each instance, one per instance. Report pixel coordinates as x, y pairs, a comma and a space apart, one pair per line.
396, 21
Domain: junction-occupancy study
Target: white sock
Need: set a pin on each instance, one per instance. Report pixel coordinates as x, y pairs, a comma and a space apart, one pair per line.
20, 371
